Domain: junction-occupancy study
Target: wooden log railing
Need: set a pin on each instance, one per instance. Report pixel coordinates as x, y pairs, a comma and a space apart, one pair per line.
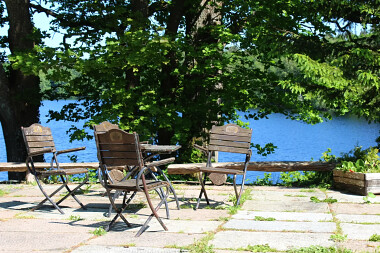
21, 166
191, 168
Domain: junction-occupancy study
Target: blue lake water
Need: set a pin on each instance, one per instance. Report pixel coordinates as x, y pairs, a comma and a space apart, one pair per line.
296, 141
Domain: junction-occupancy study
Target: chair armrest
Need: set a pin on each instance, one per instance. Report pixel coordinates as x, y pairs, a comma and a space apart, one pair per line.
138, 177
160, 162
70, 150
41, 152
201, 148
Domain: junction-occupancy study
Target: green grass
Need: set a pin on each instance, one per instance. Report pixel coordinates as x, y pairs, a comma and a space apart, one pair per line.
327, 200
199, 246
260, 218
295, 195
75, 218
246, 195
223, 218
128, 245
24, 216
258, 248
319, 249
84, 190
338, 237
187, 206
307, 190
3, 192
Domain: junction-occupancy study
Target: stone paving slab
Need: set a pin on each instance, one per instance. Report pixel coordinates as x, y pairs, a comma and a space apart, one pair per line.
22, 241
285, 195
283, 216
47, 226
360, 246
356, 218
350, 198
276, 240
281, 206
147, 239
197, 215
359, 231
353, 208
7, 214
315, 227
174, 226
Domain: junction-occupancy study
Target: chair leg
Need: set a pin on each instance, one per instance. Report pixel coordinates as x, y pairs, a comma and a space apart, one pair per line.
238, 194
170, 185
115, 196
243, 179
119, 210
241, 189
175, 196
160, 193
236, 191
71, 192
203, 189
47, 197
154, 212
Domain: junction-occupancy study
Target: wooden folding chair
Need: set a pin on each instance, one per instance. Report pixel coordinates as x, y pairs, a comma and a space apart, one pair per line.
39, 141
228, 138
115, 174
119, 148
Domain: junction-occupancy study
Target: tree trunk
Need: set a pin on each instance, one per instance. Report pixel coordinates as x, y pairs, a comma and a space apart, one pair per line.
20, 94
170, 82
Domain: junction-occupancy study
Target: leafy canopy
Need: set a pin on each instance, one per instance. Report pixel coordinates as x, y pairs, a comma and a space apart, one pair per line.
169, 69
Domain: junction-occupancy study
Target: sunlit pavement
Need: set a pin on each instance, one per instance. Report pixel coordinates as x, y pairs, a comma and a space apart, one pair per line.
272, 218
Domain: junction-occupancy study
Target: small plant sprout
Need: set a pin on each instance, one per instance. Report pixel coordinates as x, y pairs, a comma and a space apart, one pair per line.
75, 217
98, 231
3, 192
338, 237
374, 238
260, 218
327, 200
260, 248
366, 198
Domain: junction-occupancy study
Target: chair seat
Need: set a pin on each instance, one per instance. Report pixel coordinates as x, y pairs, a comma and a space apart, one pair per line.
130, 185
221, 170
62, 172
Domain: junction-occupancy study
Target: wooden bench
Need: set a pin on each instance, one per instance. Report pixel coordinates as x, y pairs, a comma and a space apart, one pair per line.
191, 168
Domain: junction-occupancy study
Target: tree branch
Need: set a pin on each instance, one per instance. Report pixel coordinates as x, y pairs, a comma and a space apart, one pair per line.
40, 9
344, 30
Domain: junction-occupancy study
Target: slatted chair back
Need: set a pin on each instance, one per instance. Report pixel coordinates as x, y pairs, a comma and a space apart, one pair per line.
230, 138
38, 138
102, 128
119, 148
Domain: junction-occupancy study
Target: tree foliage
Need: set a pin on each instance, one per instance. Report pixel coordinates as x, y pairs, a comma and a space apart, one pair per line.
169, 69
